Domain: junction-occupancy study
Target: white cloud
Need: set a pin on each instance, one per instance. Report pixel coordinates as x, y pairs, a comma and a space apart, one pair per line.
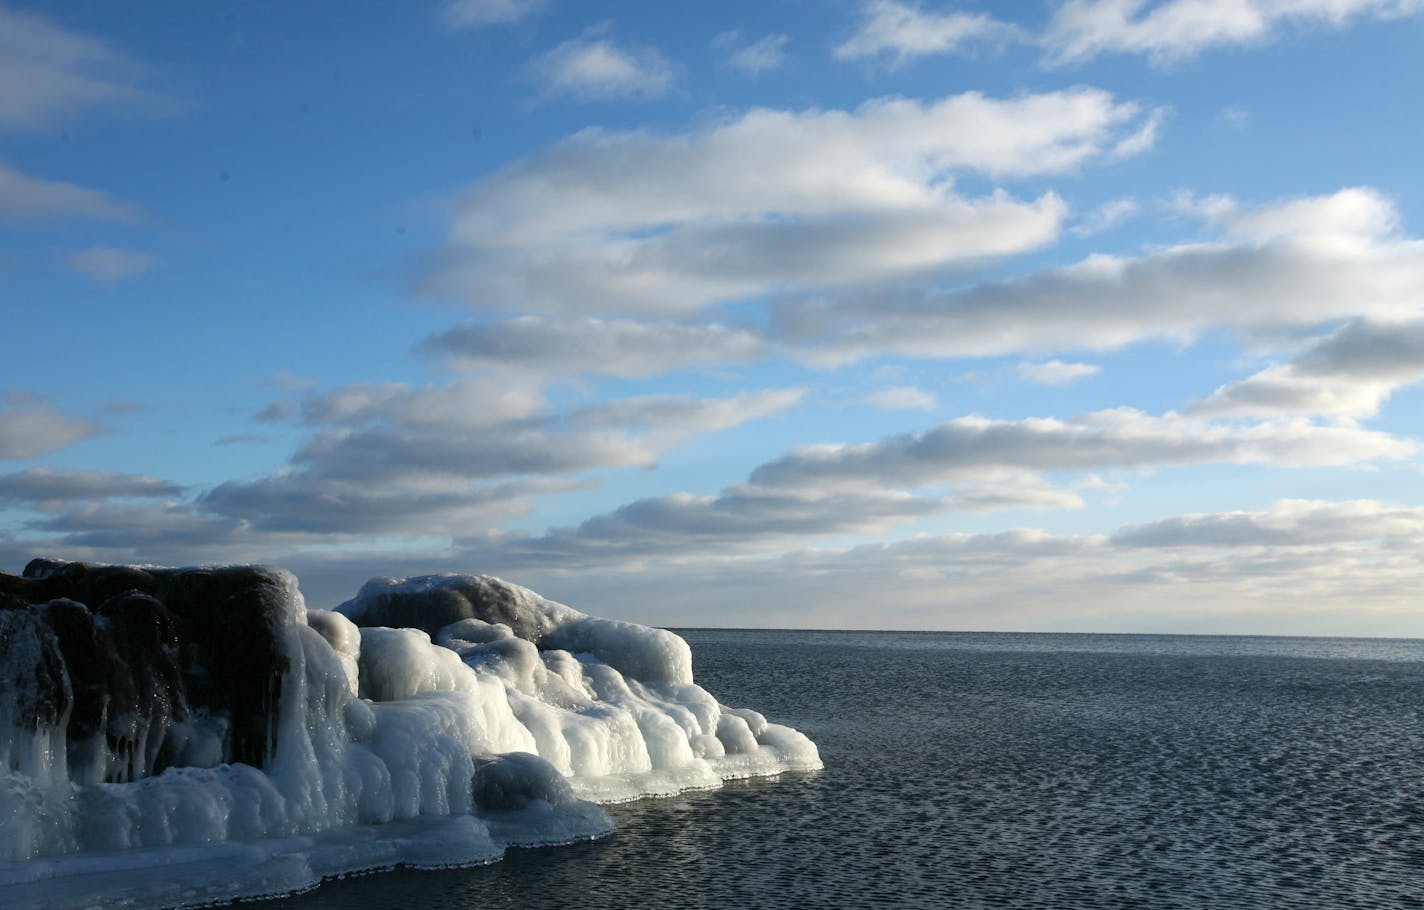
1350, 220
468, 405
902, 398
1301, 262
902, 30
390, 458
1056, 372
761, 56
616, 347
1237, 118
110, 265
457, 14
303, 503
750, 518
1175, 29
593, 68
29, 429
49, 74
24, 198
1349, 373
1288, 523
1322, 270
978, 447
672, 419
963, 465
1320, 567
1341, 568
136, 531
1106, 216
1143, 138
48, 488
1079, 30
739, 517
769, 201
1284, 390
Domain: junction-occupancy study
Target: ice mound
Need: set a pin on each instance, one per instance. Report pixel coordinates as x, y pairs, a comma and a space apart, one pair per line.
203, 724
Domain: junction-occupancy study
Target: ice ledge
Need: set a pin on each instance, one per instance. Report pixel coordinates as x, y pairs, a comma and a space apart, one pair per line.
204, 721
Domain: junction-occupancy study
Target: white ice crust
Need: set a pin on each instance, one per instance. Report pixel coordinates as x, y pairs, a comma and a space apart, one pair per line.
391, 749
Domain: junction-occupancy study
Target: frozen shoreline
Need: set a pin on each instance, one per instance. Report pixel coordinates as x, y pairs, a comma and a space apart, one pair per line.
492, 718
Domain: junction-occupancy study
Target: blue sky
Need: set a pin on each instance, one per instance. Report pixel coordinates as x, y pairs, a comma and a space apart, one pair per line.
1087, 315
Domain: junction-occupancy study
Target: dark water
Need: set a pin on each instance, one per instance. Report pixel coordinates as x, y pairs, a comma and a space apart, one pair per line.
1046, 771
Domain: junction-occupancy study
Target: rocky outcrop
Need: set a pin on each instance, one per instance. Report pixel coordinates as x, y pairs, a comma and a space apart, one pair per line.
153, 667
432, 602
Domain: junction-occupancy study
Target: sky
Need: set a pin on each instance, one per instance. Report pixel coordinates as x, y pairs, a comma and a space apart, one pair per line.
1074, 315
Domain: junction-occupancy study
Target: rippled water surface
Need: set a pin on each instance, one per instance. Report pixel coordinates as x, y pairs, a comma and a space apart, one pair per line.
987, 770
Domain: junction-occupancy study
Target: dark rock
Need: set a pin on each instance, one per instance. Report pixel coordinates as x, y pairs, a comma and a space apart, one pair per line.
430, 603
233, 622
96, 677
33, 683
147, 686
89, 583
140, 649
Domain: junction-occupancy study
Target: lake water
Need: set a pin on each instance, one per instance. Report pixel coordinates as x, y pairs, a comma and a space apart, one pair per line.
1004, 770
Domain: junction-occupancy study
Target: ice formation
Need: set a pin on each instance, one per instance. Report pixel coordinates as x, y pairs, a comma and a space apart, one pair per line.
183, 736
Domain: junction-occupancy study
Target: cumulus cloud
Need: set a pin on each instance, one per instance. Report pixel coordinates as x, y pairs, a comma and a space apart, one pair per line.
1056, 372
382, 449
46, 487
1143, 138
900, 31
458, 14
110, 265
405, 505
1265, 275
969, 447
387, 458
24, 198
753, 58
1106, 216
674, 418
1348, 221
1359, 578
1165, 31
1350, 373
1288, 523
740, 517
594, 68
470, 404
964, 465
142, 531
1176, 29
902, 398
29, 428
768, 201
386, 465
49, 74
750, 518
1331, 567
1301, 262
616, 347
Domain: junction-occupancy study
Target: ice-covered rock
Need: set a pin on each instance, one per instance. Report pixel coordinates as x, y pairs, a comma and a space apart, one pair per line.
206, 721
